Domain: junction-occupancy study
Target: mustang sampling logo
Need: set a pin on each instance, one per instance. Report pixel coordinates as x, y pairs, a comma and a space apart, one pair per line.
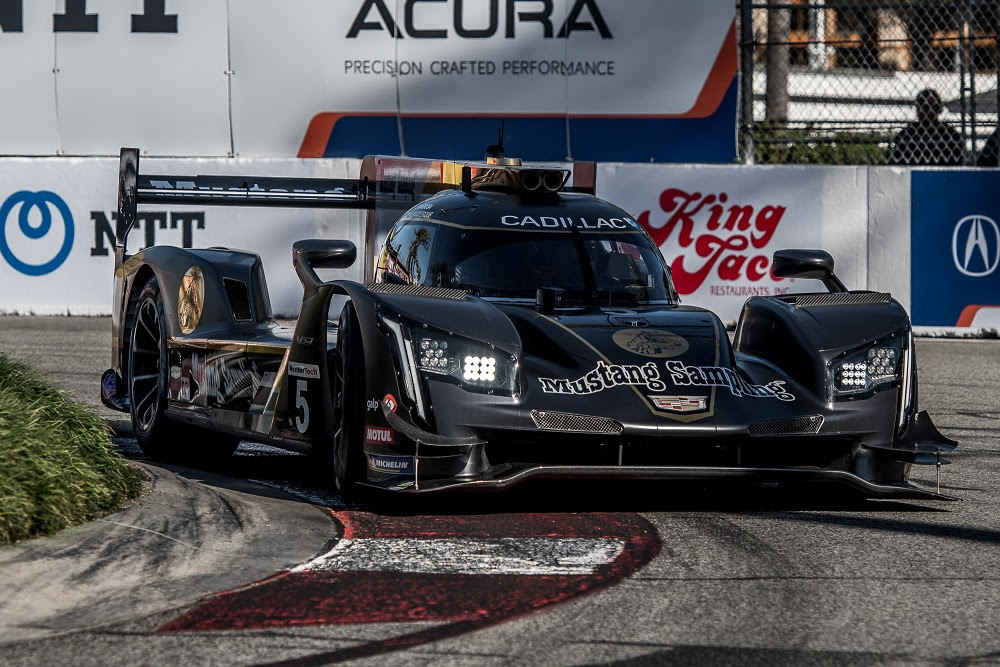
731, 237
605, 377
715, 376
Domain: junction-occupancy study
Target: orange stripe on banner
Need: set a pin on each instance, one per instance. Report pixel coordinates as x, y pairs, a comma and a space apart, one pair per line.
968, 314
318, 135
719, 79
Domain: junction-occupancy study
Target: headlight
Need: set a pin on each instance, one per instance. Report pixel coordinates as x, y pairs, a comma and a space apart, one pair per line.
475, 365
866, 371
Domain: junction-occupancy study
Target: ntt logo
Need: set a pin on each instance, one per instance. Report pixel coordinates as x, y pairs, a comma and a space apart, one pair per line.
20, 230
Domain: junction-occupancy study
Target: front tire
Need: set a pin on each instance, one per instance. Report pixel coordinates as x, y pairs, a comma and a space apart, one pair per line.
349, 380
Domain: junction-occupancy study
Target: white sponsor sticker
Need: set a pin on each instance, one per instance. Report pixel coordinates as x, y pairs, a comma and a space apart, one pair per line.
308, 371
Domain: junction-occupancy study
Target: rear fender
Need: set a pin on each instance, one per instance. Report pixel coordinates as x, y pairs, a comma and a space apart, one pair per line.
222, 314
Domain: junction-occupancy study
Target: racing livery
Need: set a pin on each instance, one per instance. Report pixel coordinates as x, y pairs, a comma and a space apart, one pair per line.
509, 327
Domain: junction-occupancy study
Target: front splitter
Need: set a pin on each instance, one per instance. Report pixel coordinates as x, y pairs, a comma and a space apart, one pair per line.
508, 476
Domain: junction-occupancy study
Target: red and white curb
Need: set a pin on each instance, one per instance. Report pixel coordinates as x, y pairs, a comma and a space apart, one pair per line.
530, 556
457, 573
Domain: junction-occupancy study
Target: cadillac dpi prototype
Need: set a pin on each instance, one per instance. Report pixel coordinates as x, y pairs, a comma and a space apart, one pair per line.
508, 327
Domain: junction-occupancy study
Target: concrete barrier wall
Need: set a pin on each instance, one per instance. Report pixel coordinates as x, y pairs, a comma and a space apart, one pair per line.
717, 227
57, 221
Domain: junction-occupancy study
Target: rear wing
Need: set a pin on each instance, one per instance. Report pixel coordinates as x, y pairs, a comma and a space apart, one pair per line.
386, 187
135, 188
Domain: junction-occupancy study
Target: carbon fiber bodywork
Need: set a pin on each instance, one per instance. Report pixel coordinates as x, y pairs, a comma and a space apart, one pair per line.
646, 388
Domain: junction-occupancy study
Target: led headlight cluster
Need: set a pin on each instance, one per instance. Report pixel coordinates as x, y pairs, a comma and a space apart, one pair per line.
480, 369
434, 356
866, 370
475, 365
881, 362
851, 375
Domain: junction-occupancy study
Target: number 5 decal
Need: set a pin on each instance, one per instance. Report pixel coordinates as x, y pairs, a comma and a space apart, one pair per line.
301, 406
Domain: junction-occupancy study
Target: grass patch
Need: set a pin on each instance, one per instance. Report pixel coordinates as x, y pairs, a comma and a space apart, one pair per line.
57, 464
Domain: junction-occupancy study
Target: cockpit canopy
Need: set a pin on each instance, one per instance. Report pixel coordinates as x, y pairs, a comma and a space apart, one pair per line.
501, 246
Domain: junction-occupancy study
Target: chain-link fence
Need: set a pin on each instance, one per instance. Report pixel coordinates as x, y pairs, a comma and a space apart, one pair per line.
869, 82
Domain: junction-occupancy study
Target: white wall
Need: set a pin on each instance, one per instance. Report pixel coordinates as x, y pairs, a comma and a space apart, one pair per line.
861, 215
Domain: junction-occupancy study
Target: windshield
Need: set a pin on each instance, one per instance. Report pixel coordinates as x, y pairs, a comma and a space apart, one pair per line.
593, 268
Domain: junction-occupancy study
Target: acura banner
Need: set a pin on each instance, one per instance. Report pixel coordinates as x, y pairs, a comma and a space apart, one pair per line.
629, 80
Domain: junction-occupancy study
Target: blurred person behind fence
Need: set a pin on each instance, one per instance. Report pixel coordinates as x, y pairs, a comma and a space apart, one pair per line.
927, 140
988, 156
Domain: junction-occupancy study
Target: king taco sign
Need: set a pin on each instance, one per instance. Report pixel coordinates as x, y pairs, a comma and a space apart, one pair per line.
718, 226
710, 239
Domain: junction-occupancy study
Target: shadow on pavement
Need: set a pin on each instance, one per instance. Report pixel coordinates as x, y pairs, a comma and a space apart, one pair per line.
298, 475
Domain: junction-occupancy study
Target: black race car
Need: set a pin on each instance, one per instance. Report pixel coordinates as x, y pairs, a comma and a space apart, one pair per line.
512, 328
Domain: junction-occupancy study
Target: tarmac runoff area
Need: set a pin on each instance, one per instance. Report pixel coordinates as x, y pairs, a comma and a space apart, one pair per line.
191, 535
590, 574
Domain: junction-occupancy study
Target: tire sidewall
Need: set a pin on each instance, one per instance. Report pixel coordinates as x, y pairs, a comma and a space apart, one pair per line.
348, 453
150, 438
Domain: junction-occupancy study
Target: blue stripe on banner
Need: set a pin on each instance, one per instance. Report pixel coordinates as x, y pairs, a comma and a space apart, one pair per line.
710, 139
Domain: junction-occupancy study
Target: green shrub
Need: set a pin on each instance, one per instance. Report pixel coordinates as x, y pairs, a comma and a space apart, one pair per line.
57, 464
777, 144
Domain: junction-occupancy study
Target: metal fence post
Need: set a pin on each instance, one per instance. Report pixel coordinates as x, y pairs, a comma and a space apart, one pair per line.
746, 124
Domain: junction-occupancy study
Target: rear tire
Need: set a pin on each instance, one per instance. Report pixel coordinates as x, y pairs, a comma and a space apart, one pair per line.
147, 365
157, 436
349, 378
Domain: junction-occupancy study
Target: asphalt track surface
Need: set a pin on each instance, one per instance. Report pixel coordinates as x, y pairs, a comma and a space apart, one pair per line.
259, 564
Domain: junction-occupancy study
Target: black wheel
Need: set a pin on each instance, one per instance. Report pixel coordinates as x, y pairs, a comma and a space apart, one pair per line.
348, 404
157, 436
147, 363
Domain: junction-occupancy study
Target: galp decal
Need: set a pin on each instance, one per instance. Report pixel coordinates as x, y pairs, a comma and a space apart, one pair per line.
714, 237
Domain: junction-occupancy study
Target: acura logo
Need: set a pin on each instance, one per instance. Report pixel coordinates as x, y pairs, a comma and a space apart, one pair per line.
18, 227
975, 245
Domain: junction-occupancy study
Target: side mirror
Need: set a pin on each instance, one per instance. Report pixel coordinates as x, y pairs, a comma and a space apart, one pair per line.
311, 254
800, 263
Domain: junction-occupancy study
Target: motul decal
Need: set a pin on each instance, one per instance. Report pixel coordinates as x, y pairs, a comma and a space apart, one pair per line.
375, 435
